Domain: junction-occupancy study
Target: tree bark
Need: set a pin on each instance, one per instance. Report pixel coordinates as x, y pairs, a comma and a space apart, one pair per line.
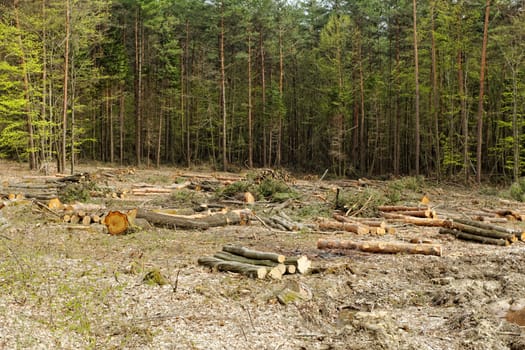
416, 77
481, 91
250, 104
254, 254
62, 155
251, 271
223, 93
184, 222
382, 247
473, 237
344, 226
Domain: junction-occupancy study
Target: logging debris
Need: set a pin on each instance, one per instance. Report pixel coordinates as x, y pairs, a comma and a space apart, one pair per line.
254, 263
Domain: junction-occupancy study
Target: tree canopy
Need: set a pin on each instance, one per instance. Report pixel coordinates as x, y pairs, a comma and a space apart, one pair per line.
306, 84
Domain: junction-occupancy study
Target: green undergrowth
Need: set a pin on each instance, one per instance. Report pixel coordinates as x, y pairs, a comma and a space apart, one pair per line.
517, 190
268, 189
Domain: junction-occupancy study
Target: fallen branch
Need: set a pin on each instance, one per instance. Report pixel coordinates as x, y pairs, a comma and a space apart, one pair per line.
381, 247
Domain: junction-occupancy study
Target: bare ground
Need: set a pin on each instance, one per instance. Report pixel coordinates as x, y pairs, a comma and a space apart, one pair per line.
69, 289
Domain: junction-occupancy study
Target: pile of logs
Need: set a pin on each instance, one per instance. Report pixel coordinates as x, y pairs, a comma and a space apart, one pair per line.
465, 229
255, 264
361, 226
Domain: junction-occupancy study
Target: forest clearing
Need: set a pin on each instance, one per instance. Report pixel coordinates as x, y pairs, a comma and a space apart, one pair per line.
71, 285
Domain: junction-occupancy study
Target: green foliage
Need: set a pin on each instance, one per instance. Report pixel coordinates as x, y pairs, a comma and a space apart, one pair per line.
74, 192
361, 203
517, 190
154, 278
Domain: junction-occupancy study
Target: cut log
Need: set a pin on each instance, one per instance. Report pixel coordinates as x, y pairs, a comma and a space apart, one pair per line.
233, 217
55, 204
75, 219
291, 269
86, 220
116, 222
382, 247
234, 257
474, 238
252, 271
344, 226
480, 231
423, 213
389, 208
254, 254
302, 263
416, 221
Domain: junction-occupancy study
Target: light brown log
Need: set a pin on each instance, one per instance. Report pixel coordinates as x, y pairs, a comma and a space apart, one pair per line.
66, 218
55, 204
327, 225
291, 269
116, 222
475, 238
75, 219
480, 231
377, 231
302, 263
416, 221
254, 254
86, 220
95, 218
234, 217
87, 207
389, 208
423, 213
252, 271
382, 247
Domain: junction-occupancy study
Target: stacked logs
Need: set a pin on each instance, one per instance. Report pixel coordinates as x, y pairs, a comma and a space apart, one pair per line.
482, 232
470, 230
361, 226
254, 263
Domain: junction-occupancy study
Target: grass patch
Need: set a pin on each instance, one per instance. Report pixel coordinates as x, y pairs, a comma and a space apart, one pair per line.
361, 203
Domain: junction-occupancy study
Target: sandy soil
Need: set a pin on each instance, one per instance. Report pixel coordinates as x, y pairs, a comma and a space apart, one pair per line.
76, 289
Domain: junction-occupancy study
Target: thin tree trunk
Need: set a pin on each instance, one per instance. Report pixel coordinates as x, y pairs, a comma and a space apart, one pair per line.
121, 124
397, 120
250, 105
281, 100
362, 146
463, 111
223, 93
159, 138
263, 100
31, 142
110, 122
138, 89
515, 126
44, 157
62, 156
416, 76
435, 97
481, 91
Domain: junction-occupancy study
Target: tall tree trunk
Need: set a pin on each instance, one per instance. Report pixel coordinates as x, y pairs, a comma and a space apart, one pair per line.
110, 122
281, 100
250, 105
138, 88
44, 156
223, 93
362, 141
482, 91
464, 119
416, 77
434, 101
31, 141
263, 99
121, 123
62, 155
516, 126
397, 120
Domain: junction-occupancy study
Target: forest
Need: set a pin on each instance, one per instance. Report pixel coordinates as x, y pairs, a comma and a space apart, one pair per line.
359, 87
